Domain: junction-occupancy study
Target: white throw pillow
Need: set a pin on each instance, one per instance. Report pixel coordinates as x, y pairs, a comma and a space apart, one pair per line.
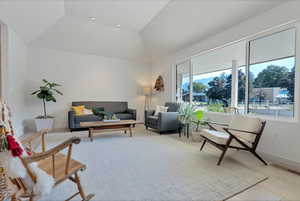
87, 111
160, 109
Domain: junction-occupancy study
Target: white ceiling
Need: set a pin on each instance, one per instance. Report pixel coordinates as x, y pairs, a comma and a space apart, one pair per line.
130, 14
82, 36
29, 18
183, 23
157, 27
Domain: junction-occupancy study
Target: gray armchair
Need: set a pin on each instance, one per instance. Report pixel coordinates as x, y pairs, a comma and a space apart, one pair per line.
164, 121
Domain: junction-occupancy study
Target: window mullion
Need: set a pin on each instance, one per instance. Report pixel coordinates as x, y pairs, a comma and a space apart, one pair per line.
191, 81
247, 77
234, 84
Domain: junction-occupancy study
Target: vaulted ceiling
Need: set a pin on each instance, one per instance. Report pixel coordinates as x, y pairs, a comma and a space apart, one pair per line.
127, 29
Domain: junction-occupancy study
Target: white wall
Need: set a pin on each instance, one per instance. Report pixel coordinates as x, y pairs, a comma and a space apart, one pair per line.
15, 79
281, 139
83, 78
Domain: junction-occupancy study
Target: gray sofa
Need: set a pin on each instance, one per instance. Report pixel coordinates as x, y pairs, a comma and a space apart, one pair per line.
119, 108
164, 121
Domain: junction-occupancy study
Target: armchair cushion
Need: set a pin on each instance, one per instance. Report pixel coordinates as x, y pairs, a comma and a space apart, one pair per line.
245, 123
221, 137
216, 136
153, 119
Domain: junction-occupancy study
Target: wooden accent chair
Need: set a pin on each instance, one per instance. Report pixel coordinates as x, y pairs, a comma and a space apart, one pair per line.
242, 133
61, 167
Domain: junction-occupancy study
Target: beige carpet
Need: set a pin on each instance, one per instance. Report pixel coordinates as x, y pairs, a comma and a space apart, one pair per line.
154, 168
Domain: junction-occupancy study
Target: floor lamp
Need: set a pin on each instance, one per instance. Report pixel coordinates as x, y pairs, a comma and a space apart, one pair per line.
147, 92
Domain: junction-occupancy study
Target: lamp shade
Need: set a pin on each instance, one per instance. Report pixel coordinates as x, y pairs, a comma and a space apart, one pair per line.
146, 90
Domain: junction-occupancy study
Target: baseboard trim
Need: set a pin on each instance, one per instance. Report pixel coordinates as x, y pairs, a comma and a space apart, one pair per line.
289, 165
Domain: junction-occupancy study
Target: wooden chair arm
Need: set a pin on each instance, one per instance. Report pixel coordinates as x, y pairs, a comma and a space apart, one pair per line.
237, 130
211, 124
40, 156
216, 123
29, 140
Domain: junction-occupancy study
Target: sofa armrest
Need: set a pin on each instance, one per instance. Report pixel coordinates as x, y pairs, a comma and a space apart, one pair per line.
71, 115
133, 112
168, 121
149, 113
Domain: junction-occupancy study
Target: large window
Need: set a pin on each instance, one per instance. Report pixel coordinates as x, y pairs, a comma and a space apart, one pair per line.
261, 82
272, 75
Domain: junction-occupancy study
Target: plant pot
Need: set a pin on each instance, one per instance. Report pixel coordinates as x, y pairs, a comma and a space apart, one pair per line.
44, 123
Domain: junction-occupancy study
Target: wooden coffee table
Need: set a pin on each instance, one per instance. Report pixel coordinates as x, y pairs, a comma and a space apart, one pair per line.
100, 126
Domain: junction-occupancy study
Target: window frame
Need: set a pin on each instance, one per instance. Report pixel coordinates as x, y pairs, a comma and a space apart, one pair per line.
247, 40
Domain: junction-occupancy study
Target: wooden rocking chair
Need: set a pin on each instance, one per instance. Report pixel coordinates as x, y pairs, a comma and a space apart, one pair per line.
61, 167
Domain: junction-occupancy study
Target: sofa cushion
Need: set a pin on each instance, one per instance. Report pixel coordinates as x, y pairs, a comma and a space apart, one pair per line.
112, 106
84, 118
124, 116
98, 111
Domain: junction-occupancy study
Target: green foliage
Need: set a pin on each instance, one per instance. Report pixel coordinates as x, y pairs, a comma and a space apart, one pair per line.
188, 113
215, 108
198, 87
270, 77
47, 92
276, 76
199, 114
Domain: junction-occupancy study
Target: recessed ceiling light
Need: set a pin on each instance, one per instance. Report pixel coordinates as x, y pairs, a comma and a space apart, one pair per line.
92, 19
118, 26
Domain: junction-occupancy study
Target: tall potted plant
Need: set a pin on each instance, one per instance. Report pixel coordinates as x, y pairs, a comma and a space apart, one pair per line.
188, 114
46, 93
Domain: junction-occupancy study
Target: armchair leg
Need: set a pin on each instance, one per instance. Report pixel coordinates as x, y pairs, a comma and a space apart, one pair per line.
224, 151
260, 158
203, 144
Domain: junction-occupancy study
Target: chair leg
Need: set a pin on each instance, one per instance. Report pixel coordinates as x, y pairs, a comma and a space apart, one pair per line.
203, 144
80, 189
224, 151
260, 158
31, 198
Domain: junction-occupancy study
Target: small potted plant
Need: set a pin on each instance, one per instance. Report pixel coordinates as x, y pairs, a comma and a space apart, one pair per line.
46, 93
